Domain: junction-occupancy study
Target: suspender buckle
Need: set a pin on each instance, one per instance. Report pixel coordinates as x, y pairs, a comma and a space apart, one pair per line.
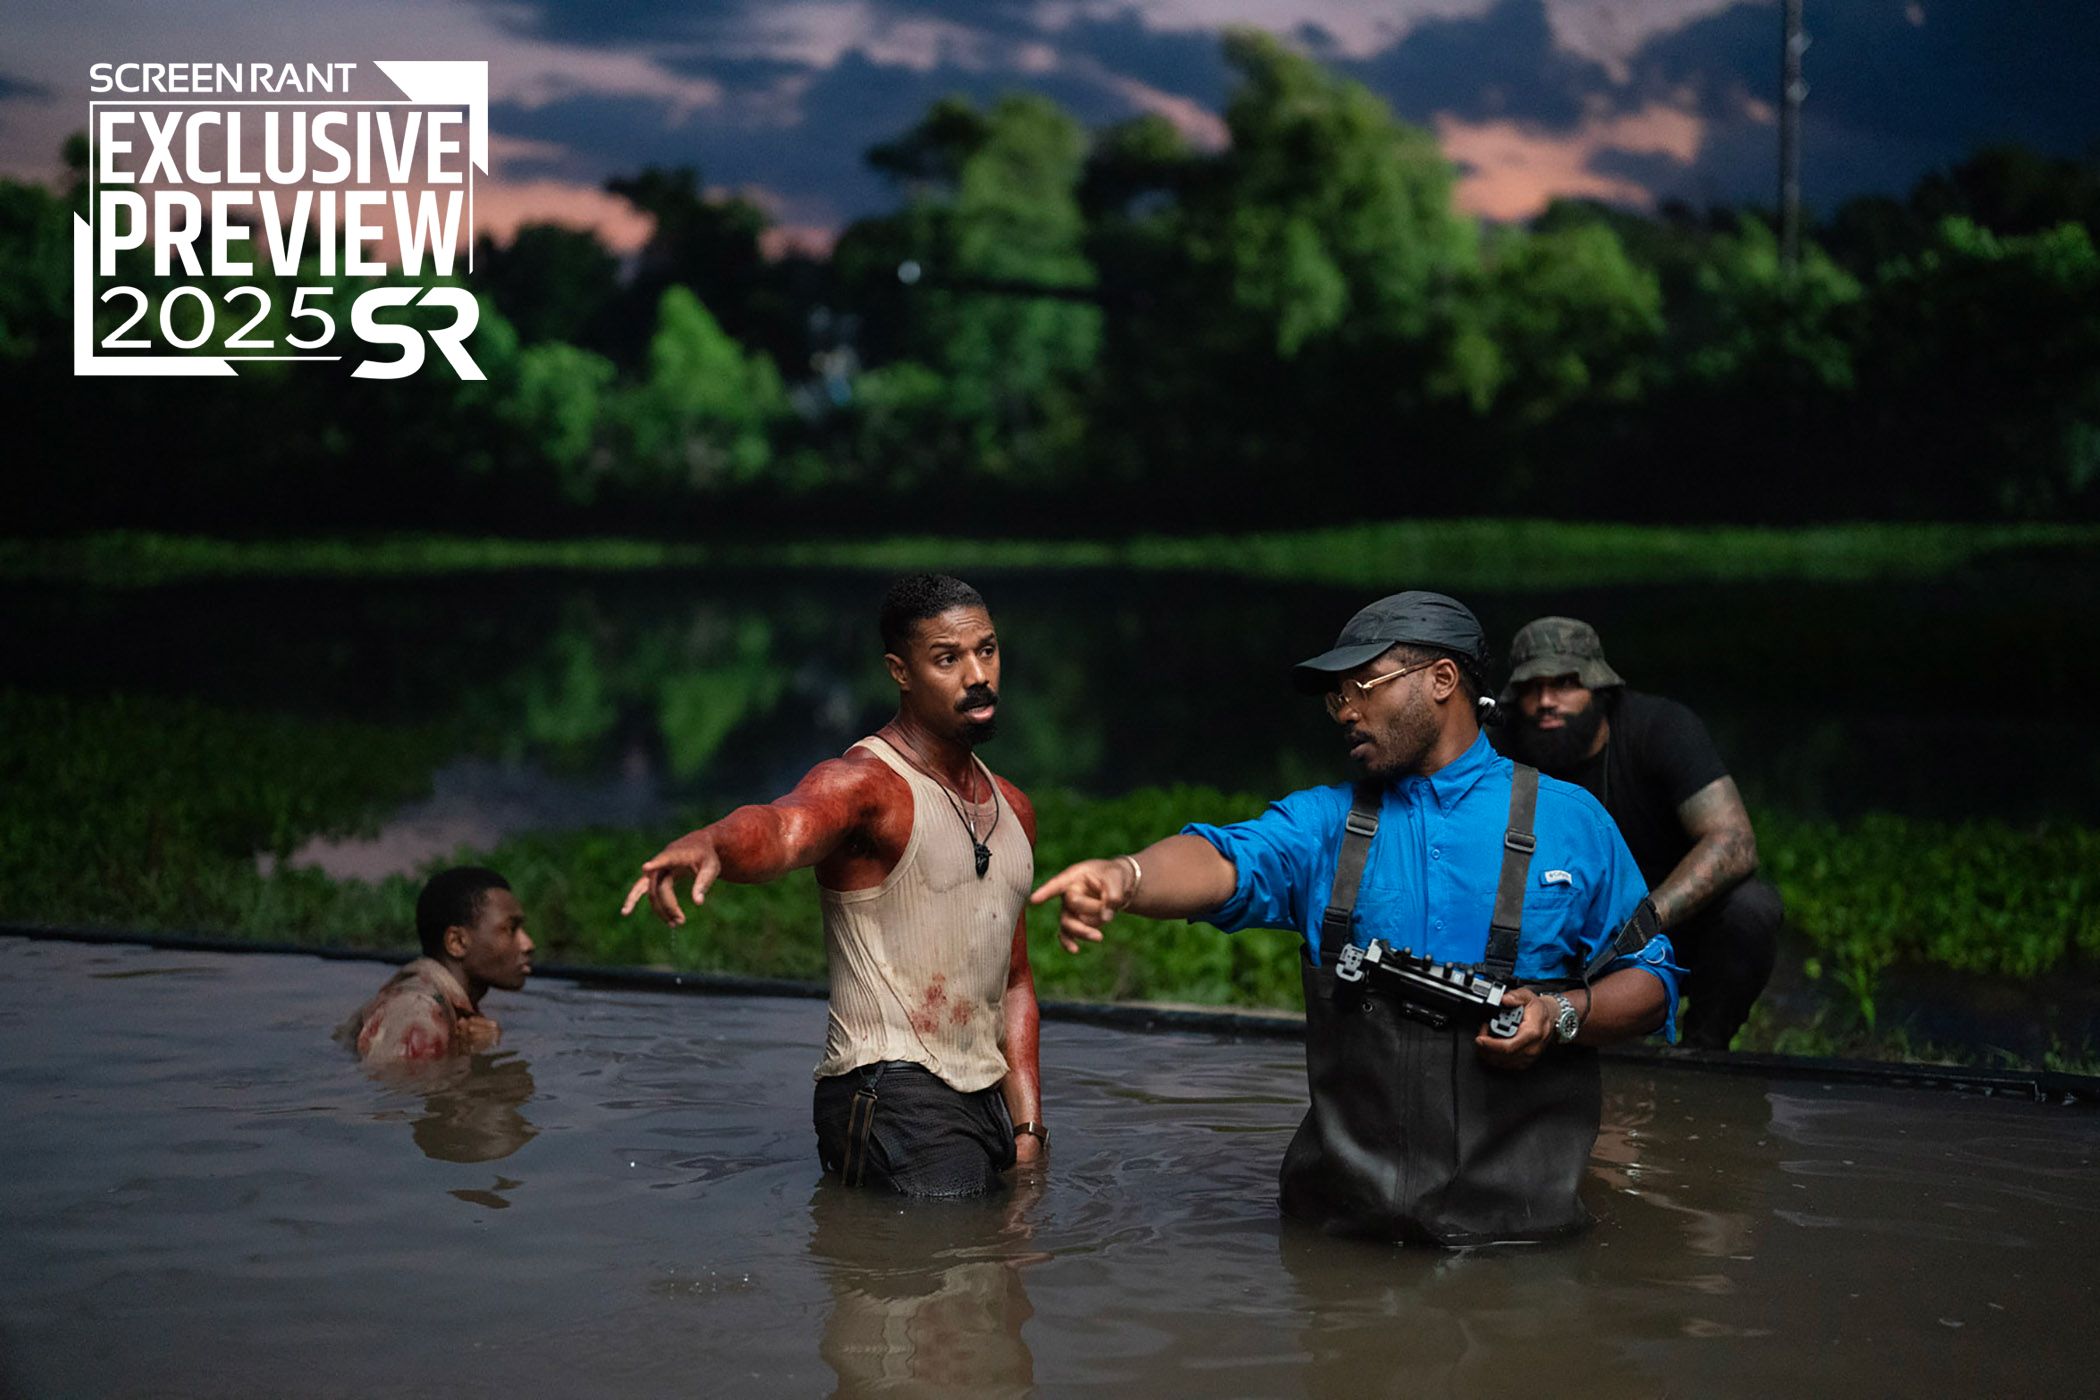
1360, 823
1350, 965
1522, 842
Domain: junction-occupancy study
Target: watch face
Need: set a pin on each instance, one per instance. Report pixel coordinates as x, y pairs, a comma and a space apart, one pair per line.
1565, 1023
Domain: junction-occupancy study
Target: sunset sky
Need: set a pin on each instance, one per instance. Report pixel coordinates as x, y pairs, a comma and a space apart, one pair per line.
1625, 100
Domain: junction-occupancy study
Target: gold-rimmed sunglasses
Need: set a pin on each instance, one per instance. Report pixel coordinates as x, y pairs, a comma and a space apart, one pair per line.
1353, 692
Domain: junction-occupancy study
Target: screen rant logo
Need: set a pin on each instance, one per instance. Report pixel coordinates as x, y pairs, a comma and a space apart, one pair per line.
279, 211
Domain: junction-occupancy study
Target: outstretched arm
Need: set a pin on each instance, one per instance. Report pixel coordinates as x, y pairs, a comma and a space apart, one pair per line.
1724, 852
1182, 876
764, 841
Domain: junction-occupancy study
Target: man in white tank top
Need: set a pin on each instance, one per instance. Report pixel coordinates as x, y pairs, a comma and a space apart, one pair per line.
924, 857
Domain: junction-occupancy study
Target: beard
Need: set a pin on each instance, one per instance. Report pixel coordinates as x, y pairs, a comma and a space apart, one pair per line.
1557, 751
975, 732
1400, 743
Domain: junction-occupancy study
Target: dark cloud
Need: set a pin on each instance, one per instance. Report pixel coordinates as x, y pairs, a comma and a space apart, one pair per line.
1891, 98
626, 23
1501, 64
816, 162
12, 86
1185, 63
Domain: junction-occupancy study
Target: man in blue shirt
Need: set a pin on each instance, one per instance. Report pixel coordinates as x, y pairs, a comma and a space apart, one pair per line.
1448, 1133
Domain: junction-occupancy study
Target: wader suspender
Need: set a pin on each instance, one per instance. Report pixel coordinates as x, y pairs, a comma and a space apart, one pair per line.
1517, 845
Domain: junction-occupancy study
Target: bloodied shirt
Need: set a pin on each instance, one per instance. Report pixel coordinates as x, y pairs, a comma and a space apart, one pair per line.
422, 1013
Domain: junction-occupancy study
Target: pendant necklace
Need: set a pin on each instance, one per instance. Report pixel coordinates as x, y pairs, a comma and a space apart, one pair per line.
979, 850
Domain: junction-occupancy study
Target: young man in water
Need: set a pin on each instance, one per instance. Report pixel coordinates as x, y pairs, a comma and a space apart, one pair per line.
923, 858
473, 934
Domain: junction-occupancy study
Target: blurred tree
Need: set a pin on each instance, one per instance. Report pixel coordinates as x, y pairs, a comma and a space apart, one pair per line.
1555, 318
553, 283
1742, 321
1331, 217
1981, 378
36, 273
711, 245
556, 407
699, 420
979, 285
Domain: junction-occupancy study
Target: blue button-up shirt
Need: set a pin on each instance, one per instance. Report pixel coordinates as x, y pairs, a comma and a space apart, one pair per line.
1429, 884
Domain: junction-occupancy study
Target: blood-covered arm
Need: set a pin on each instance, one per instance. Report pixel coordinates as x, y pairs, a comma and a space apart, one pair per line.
1021, 1018
764, 841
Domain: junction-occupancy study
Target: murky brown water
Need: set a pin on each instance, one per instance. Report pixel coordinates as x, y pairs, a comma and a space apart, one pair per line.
203, 1196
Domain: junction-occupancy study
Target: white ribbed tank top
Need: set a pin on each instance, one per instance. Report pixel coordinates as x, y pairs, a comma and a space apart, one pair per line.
918, 963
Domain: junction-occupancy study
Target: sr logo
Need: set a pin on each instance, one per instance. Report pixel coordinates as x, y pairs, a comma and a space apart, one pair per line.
466, 314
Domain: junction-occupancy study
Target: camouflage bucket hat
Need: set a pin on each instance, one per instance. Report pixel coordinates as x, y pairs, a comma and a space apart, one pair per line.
1558, 646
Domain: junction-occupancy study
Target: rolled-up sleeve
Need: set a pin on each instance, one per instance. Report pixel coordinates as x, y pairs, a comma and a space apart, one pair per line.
1620, 893
1274, 857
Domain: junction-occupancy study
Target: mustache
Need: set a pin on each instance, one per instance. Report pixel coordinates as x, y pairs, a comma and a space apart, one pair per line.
977, 697
1353, 737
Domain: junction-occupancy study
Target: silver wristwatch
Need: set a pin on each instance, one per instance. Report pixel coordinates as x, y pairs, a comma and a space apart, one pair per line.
1566, 1023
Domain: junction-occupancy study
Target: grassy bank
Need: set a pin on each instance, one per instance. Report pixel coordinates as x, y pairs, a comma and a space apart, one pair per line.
1456, 553
150, 816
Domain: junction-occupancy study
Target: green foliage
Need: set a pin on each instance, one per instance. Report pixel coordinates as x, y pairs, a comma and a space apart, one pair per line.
1979, 897
1744, 319
150, 813
1561, 316
700, 418
36, 263
559, 402
980, 374
1458, 553
1330, 217
1942, 317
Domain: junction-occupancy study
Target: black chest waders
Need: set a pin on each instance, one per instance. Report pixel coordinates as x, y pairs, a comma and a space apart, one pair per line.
1410, 1137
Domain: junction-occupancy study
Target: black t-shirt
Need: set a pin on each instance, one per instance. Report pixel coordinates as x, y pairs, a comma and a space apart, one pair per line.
1658, 755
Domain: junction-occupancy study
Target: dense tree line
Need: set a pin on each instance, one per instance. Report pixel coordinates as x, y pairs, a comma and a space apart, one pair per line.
1057, 329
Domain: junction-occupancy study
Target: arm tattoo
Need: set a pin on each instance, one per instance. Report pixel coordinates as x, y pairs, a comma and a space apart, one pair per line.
1723, 854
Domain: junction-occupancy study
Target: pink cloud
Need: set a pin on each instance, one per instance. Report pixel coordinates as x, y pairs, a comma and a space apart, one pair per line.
1204, 128
502, 206
1514, 170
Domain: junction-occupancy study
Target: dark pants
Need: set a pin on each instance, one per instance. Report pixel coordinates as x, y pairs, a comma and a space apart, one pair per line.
1727, 950
915, 1135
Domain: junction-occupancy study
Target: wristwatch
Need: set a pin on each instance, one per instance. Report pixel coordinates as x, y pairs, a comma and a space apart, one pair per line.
1035, 1130
1566, 1023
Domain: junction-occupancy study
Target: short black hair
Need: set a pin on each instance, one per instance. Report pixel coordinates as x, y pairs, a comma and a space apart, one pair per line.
1472, 670
914, 598
452, 897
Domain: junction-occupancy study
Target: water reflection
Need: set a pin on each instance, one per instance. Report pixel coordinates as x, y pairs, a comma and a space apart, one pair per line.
473, 1107
1393, 1320
710, 687
927, 1298
1703, 1177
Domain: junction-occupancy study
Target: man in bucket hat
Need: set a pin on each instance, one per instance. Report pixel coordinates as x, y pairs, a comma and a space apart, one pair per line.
1656, 770
1427, 1122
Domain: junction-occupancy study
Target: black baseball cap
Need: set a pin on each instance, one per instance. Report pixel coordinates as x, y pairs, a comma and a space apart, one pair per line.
1415, 618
